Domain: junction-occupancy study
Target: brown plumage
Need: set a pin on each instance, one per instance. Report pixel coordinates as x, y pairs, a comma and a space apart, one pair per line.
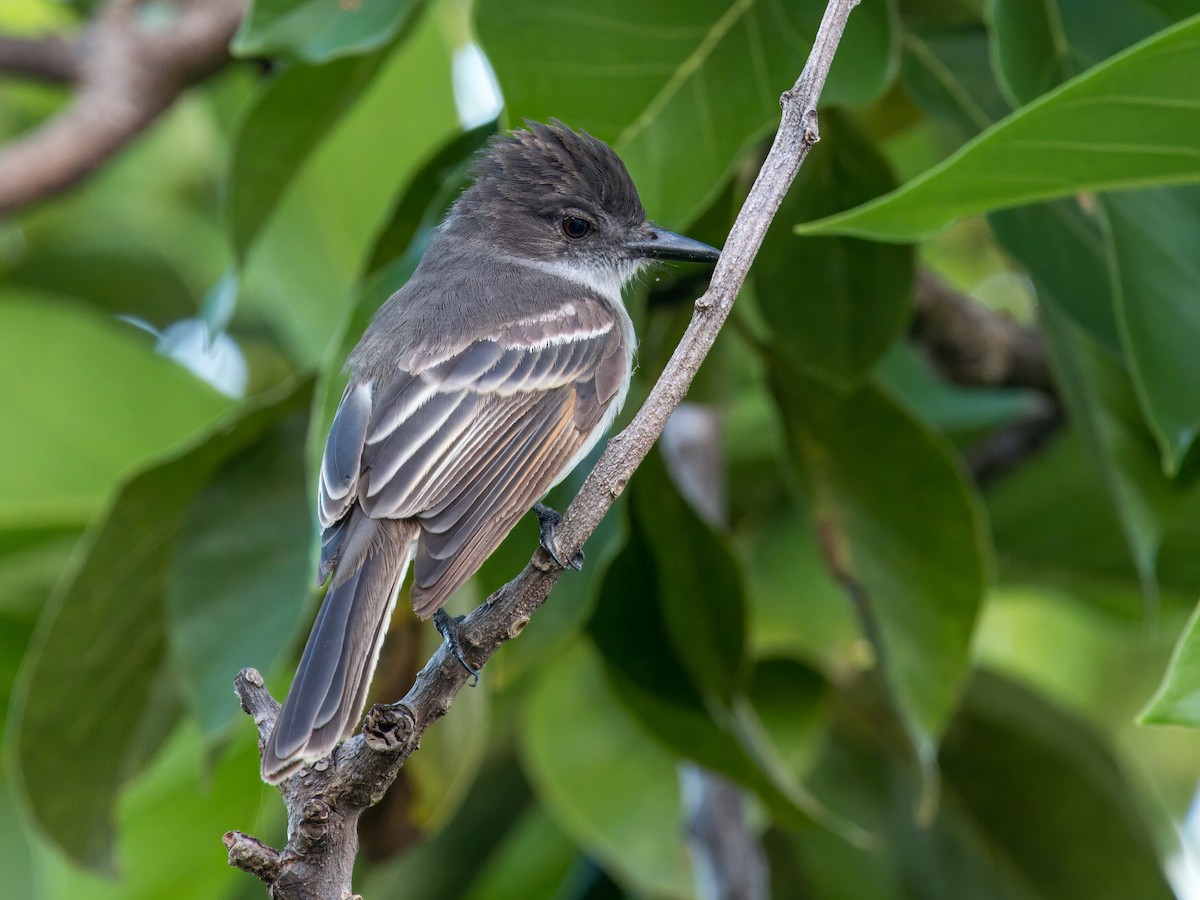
476, 388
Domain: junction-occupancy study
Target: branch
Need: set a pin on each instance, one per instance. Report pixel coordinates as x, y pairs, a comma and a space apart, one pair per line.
325, 801
49, 58
129, 68
972, 345
727, 858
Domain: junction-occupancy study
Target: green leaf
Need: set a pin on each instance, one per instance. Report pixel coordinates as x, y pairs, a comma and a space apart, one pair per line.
241, 572
1100, 399
699, 585
1038, 44
428, 195
833, 304
320, 30
679, 89
280, 132
75, 430
99, 657
1064, 250
1022, 773
1127, 122
303, 266
1034, 805
656, 680
1030, 49
1177, 700
602, 779
535, 860
1157, 277
206, 796
901, 530
446, 862
946, 71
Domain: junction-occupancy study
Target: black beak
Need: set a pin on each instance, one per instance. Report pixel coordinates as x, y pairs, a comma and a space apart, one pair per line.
658, 243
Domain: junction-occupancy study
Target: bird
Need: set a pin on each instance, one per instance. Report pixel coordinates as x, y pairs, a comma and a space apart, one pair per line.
478, 386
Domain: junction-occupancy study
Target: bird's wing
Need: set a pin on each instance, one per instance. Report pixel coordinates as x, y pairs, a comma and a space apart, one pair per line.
466, 441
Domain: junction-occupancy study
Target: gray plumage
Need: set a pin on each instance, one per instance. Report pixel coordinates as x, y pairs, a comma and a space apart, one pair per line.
476, 388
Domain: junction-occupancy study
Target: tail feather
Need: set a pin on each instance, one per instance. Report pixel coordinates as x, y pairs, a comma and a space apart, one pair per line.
331, 683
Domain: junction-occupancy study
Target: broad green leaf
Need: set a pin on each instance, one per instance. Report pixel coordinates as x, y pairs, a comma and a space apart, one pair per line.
1031, 52
901, 530
1155, 236
1100, 398
1125, 123
304, 264
206, 797
678, 89
1038, 44
125, 280
85, 400
319, 30
241, 572
100, 653
602, 779
833, 304
1034, 805
427, 196
1177, 701
1151, 233
1022, 773
280, 132
699, 585
655, 679
946, 71
535, 859
1064, 250
447, 862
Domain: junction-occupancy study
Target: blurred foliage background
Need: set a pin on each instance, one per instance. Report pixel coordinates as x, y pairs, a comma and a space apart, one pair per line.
935, 624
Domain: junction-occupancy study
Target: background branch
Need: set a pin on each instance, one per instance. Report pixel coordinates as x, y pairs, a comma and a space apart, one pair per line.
48, 58
973, 345
129, 69
325, 801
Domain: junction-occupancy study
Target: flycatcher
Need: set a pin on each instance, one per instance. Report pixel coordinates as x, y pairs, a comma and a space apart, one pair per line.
477, 387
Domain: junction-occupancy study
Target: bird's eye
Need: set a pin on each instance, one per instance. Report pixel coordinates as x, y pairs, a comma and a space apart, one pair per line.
576, 228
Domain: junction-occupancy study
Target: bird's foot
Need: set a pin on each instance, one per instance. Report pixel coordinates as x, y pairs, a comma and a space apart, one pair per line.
548, 520
447, 626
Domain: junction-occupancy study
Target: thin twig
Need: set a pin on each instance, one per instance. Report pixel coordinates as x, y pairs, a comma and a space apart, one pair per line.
325, 801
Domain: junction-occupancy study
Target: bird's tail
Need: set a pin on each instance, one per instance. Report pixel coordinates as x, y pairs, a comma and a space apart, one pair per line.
330, 687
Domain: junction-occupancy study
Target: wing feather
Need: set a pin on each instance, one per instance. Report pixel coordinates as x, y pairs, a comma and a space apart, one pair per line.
465, 441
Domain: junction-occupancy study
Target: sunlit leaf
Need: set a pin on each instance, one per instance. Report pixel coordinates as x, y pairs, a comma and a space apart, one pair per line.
678, 88
280, 132
1125, 123
77, 428
1177, 701
1157, 274
241, 571
308, 256
603, 780
320, 30
100, 655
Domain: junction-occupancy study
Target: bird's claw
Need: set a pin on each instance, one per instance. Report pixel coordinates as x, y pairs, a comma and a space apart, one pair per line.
447, 626
548, 520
